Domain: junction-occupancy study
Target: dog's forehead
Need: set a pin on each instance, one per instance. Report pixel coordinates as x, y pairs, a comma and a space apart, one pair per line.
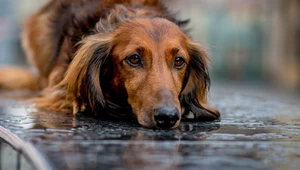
151, 34
159, 29
156, 29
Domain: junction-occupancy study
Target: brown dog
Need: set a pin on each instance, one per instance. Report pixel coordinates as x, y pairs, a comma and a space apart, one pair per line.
114, 56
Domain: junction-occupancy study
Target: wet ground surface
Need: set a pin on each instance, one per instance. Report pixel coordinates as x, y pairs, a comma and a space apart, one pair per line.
256, 132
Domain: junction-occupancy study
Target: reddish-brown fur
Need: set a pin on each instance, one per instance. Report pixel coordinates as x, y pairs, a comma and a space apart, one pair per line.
80, 53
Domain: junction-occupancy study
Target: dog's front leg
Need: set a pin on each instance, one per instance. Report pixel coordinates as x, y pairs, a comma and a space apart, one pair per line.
205, 113
78, 107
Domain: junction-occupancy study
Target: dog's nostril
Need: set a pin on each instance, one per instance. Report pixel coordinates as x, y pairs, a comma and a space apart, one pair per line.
166, 117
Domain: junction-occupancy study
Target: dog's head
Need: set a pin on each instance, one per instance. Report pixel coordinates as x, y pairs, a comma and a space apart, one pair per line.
148, 64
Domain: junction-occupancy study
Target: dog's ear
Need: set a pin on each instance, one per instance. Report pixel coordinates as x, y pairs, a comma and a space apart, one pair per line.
196, 86
81, 90
83, 76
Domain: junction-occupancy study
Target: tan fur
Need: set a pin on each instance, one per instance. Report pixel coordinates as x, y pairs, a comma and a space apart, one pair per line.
81, 60
13, 78
38, 43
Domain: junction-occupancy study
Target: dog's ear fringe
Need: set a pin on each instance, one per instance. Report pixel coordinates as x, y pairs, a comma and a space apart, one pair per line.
53, 99
82, 80
197, 83
81, 86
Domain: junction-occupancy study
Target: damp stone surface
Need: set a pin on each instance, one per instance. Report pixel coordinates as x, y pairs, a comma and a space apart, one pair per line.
257, 131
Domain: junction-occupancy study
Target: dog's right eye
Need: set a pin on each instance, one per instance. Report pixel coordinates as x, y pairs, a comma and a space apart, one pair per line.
134, 60
179, 62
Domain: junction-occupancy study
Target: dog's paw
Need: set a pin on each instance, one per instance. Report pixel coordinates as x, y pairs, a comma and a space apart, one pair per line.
201, 115
79, 107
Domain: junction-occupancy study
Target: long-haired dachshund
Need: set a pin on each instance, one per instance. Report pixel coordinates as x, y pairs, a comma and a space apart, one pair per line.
112, 57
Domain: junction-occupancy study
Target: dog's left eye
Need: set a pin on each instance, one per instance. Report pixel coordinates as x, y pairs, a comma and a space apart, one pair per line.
179, 62
134, 60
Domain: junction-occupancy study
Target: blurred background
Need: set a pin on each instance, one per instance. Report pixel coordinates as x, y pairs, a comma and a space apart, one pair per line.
251, 42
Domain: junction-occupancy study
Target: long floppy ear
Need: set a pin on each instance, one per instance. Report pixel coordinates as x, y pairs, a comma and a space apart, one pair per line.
81, 86
84, 76
197, 82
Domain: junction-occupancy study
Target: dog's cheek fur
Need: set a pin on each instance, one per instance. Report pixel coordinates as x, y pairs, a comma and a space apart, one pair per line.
197, 82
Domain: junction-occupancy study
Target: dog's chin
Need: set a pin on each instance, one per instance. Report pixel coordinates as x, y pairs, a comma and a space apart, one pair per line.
146, 121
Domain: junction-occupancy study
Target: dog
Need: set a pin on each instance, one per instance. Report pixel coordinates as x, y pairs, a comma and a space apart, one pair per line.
114, 57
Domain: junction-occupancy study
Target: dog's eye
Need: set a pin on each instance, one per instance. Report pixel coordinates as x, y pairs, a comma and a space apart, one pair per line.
134, 60
179, 62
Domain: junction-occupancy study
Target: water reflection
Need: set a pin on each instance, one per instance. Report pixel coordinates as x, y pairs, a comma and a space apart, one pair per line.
115, 129
249, 136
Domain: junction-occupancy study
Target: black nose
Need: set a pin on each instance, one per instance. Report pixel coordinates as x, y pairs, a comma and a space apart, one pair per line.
166, 117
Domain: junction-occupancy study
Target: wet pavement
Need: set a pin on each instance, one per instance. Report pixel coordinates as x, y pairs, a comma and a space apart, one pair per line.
256, 131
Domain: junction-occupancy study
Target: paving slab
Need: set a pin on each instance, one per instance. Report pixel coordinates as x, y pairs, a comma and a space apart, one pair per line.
256, 131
